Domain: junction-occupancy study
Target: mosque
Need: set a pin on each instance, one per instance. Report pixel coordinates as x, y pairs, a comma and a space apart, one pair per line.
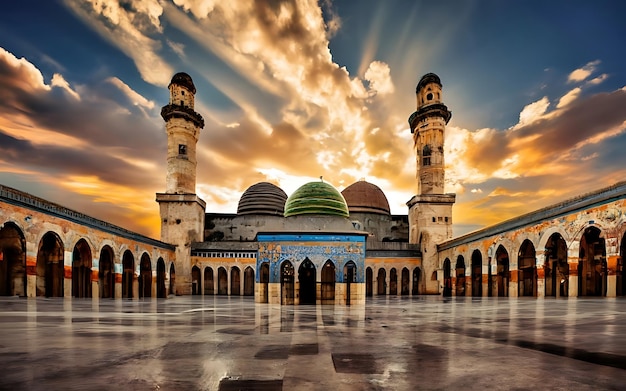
317, 245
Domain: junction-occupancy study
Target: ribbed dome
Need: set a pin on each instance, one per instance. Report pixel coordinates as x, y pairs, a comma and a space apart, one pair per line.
426, 79
262, 198
366, 197
316, 198
183, 79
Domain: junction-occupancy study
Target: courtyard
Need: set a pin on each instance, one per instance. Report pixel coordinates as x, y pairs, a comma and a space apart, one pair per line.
391, 343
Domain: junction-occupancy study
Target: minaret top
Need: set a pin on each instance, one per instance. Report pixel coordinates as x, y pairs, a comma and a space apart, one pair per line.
183, 79
429, 101
182, 101
427, 79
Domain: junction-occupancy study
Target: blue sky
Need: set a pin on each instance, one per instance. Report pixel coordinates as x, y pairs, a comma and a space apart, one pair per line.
294, 90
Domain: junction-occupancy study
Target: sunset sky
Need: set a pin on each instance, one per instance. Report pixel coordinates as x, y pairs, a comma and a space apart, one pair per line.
294, 90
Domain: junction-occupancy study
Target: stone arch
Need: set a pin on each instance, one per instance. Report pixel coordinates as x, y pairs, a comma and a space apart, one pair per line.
555, 265
106, 272
287, 283
209, 281
393, 282
369, 282
12, 260
248, 281
222, 281
50, 266
527, 269
477, 273
460, 276
81, 269
128, 274
382, 281
160, 283
592, 265
235, 281
405, 282
548, 233
447, 278
502, 276
145, 276
328, 282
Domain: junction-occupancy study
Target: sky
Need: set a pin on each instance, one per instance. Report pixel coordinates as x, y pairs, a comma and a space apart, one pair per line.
294, 90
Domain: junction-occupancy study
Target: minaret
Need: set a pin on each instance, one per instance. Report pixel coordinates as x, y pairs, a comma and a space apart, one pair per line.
430, 211
182, 211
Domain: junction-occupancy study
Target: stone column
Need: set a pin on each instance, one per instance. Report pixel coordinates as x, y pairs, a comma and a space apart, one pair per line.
95, 279
573, 278
611, 278
31, 269
118, 270
67, 274
228, 281
485, 278
541, 275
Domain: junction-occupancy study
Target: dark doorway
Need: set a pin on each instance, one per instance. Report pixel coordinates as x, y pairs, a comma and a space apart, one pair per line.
501, 283
526, 262
172, 280
369, 282
160, 286
592, 268
81, 270
307, 279
145, 276
50, 269
460, 276
349, 272
128, 266
381, 282
222, 281
196, 288
417, 275
393, 282
328, 283
248, 282
287, 283
209, 284
235, 281
447, 278
12, 261
264, 280
556, 267
477, 274
405, 282
106, 275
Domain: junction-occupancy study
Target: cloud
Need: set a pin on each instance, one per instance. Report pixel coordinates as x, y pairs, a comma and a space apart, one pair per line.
533, 111
583, 73
378, 74
568, 98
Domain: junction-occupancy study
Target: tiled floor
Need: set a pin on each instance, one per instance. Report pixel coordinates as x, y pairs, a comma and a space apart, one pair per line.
397, 343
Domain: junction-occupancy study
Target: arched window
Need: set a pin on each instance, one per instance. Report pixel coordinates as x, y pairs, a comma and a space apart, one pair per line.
426, 153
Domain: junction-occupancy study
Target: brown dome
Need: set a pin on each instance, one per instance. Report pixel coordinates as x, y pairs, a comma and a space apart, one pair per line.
262, 198
366, 197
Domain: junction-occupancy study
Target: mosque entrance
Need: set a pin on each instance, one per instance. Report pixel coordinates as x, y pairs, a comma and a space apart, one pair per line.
393, 282
209, 284
222, 281
248, 282
404, 282
501, 285
128, 265
592, 268
381, 282
306, 277
477, 276
369, 277
328, 283
527, 271
286, 283
172, 279
160, 285
105, 273
195, 281
460, 276
50, 266
417, 273
145, 276
264, 279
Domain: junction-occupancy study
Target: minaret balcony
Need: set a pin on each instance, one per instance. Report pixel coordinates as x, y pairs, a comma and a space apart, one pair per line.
180, 111
434, 110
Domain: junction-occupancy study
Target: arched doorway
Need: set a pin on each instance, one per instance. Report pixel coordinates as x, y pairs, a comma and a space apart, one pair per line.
526, 262
349, 273
248, 282
447, 278
460, 276
12, 261
264, 280
222, 281
160, 286
417, 275
381, 282
328, 283
196, 288
501, 283
556, 267
50, 271
393, 282
81, 270
106, 273
477, 274
172, 279
235, 281
405, 282
128, 266
307, 280
145, 276
369, 282
209, 288
592, 268
286, 283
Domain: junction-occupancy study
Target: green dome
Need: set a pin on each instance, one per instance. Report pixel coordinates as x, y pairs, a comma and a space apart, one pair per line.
316, 198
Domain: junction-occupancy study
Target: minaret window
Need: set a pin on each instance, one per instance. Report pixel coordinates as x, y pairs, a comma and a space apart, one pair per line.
182, 149
426, 153
429, 96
